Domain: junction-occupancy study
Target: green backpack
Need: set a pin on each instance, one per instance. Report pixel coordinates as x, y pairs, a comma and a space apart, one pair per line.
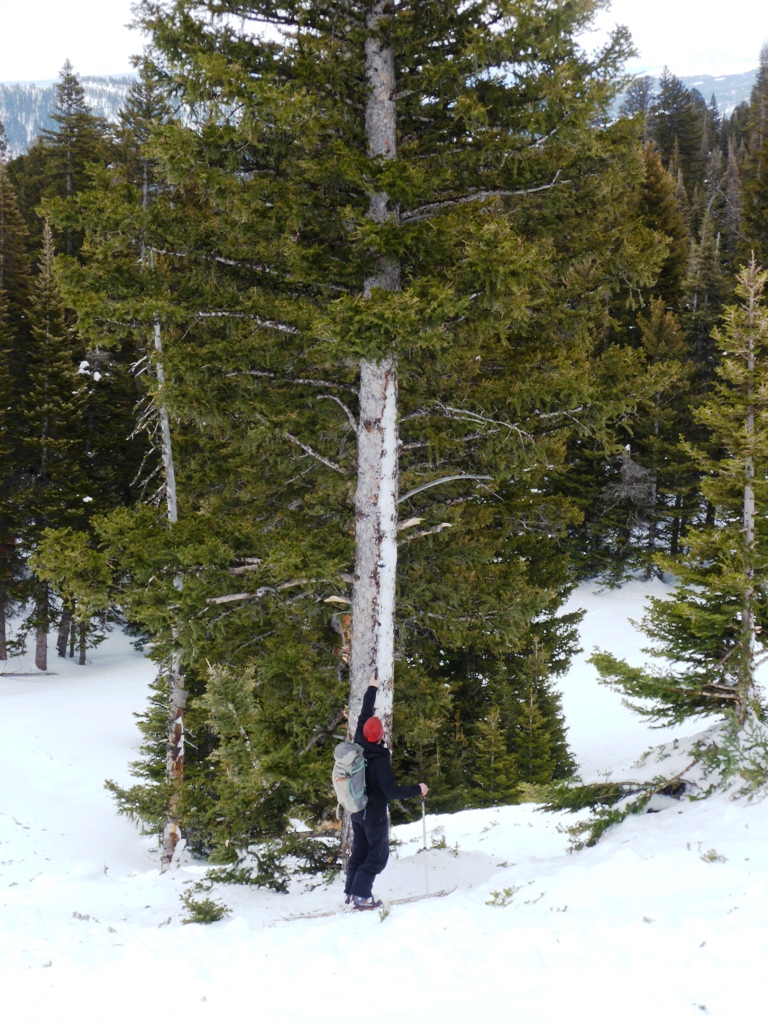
349, 776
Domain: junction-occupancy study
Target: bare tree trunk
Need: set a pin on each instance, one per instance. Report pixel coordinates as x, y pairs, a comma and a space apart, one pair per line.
63, 637
174, 765
72, 637
749, 617
41, 629
83, 642
3, 631
373, 592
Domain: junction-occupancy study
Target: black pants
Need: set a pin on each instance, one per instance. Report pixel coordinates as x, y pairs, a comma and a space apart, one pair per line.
370, 853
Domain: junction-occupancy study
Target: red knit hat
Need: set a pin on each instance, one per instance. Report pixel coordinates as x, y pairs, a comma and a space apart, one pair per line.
373, 730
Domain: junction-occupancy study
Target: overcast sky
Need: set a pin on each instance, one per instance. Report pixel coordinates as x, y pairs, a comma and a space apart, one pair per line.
37, 36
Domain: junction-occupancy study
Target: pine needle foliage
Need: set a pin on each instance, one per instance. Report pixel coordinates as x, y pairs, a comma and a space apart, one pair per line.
710, 628
253, 250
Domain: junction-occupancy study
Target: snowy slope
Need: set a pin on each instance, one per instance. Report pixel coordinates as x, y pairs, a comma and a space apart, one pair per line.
665, 920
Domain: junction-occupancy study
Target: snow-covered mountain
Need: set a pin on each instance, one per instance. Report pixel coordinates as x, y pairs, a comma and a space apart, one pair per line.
729, 90
26, 107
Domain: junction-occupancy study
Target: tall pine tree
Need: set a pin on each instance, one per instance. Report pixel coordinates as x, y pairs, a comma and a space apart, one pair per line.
711, 627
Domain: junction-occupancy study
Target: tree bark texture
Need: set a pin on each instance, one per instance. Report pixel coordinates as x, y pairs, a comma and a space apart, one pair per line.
749, 624
177, 703
41, 629
63, 637
373, 592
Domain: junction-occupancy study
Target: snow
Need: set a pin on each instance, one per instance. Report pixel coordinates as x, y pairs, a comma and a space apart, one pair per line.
664, 920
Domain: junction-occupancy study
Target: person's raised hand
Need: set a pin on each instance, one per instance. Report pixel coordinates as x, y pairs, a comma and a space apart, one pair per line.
424, 789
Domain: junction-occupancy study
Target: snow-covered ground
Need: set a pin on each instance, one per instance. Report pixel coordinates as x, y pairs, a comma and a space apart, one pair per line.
663, 921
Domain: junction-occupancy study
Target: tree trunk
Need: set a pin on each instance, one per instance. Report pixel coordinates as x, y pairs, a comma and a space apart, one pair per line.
41, 629
72, 637
749, 616
83, 642
373, 592
3, 630
177, 703
174, 764
63, 636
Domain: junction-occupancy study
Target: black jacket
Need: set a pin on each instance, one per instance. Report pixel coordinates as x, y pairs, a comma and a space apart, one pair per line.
380, 782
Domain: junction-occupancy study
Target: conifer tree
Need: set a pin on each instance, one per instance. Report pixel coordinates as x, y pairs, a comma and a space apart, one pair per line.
676, 125
56, 165
54, 487
9, 559
661, 211
710, 627
14, 353
348, 251
755, 177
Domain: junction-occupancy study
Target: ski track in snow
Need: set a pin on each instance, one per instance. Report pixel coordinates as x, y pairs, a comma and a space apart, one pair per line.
664, 920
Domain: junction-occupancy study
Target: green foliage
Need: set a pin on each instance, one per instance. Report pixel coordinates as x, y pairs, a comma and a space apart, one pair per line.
710, 626
205, 911
504, 897
738, 758
80, 573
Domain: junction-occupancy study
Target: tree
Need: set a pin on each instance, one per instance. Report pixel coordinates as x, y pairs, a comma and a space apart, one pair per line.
54, 488
376, 295
14, 352
56, 165
711, 624
661, 211
637, 98
755, 178
676, 125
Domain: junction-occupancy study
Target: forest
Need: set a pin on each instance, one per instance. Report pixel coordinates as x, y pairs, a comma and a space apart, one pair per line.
364, 335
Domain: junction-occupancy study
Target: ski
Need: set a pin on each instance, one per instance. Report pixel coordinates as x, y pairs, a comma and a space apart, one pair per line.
396, 902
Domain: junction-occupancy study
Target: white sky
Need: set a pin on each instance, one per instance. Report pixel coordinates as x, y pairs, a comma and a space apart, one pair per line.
37, 36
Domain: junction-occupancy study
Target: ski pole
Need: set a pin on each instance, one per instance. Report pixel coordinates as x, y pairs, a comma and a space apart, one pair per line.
424, 831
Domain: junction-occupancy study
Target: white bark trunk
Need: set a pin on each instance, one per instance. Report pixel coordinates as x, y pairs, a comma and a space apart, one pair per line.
749, 624
165, 431
373, 595
373, 592
174, 768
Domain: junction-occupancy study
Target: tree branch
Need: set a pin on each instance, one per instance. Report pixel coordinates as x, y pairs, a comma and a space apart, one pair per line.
315, 455
272, 324
422, 212
350, 418
442, 480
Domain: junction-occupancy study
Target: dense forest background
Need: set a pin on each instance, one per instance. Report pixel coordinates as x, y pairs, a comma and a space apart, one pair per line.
178, 403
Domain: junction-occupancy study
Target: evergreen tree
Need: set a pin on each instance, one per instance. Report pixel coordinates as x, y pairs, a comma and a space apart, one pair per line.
495, 773
661, 211
637, 97
332, 266
710, 628
56, 166
706, 289
14, 351
676, 124
53, 487
755, 177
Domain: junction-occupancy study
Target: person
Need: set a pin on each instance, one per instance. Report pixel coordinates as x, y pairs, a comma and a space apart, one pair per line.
370, 827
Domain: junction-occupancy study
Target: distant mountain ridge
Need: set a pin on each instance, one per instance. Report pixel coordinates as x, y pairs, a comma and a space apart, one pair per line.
729, 90
26, 108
